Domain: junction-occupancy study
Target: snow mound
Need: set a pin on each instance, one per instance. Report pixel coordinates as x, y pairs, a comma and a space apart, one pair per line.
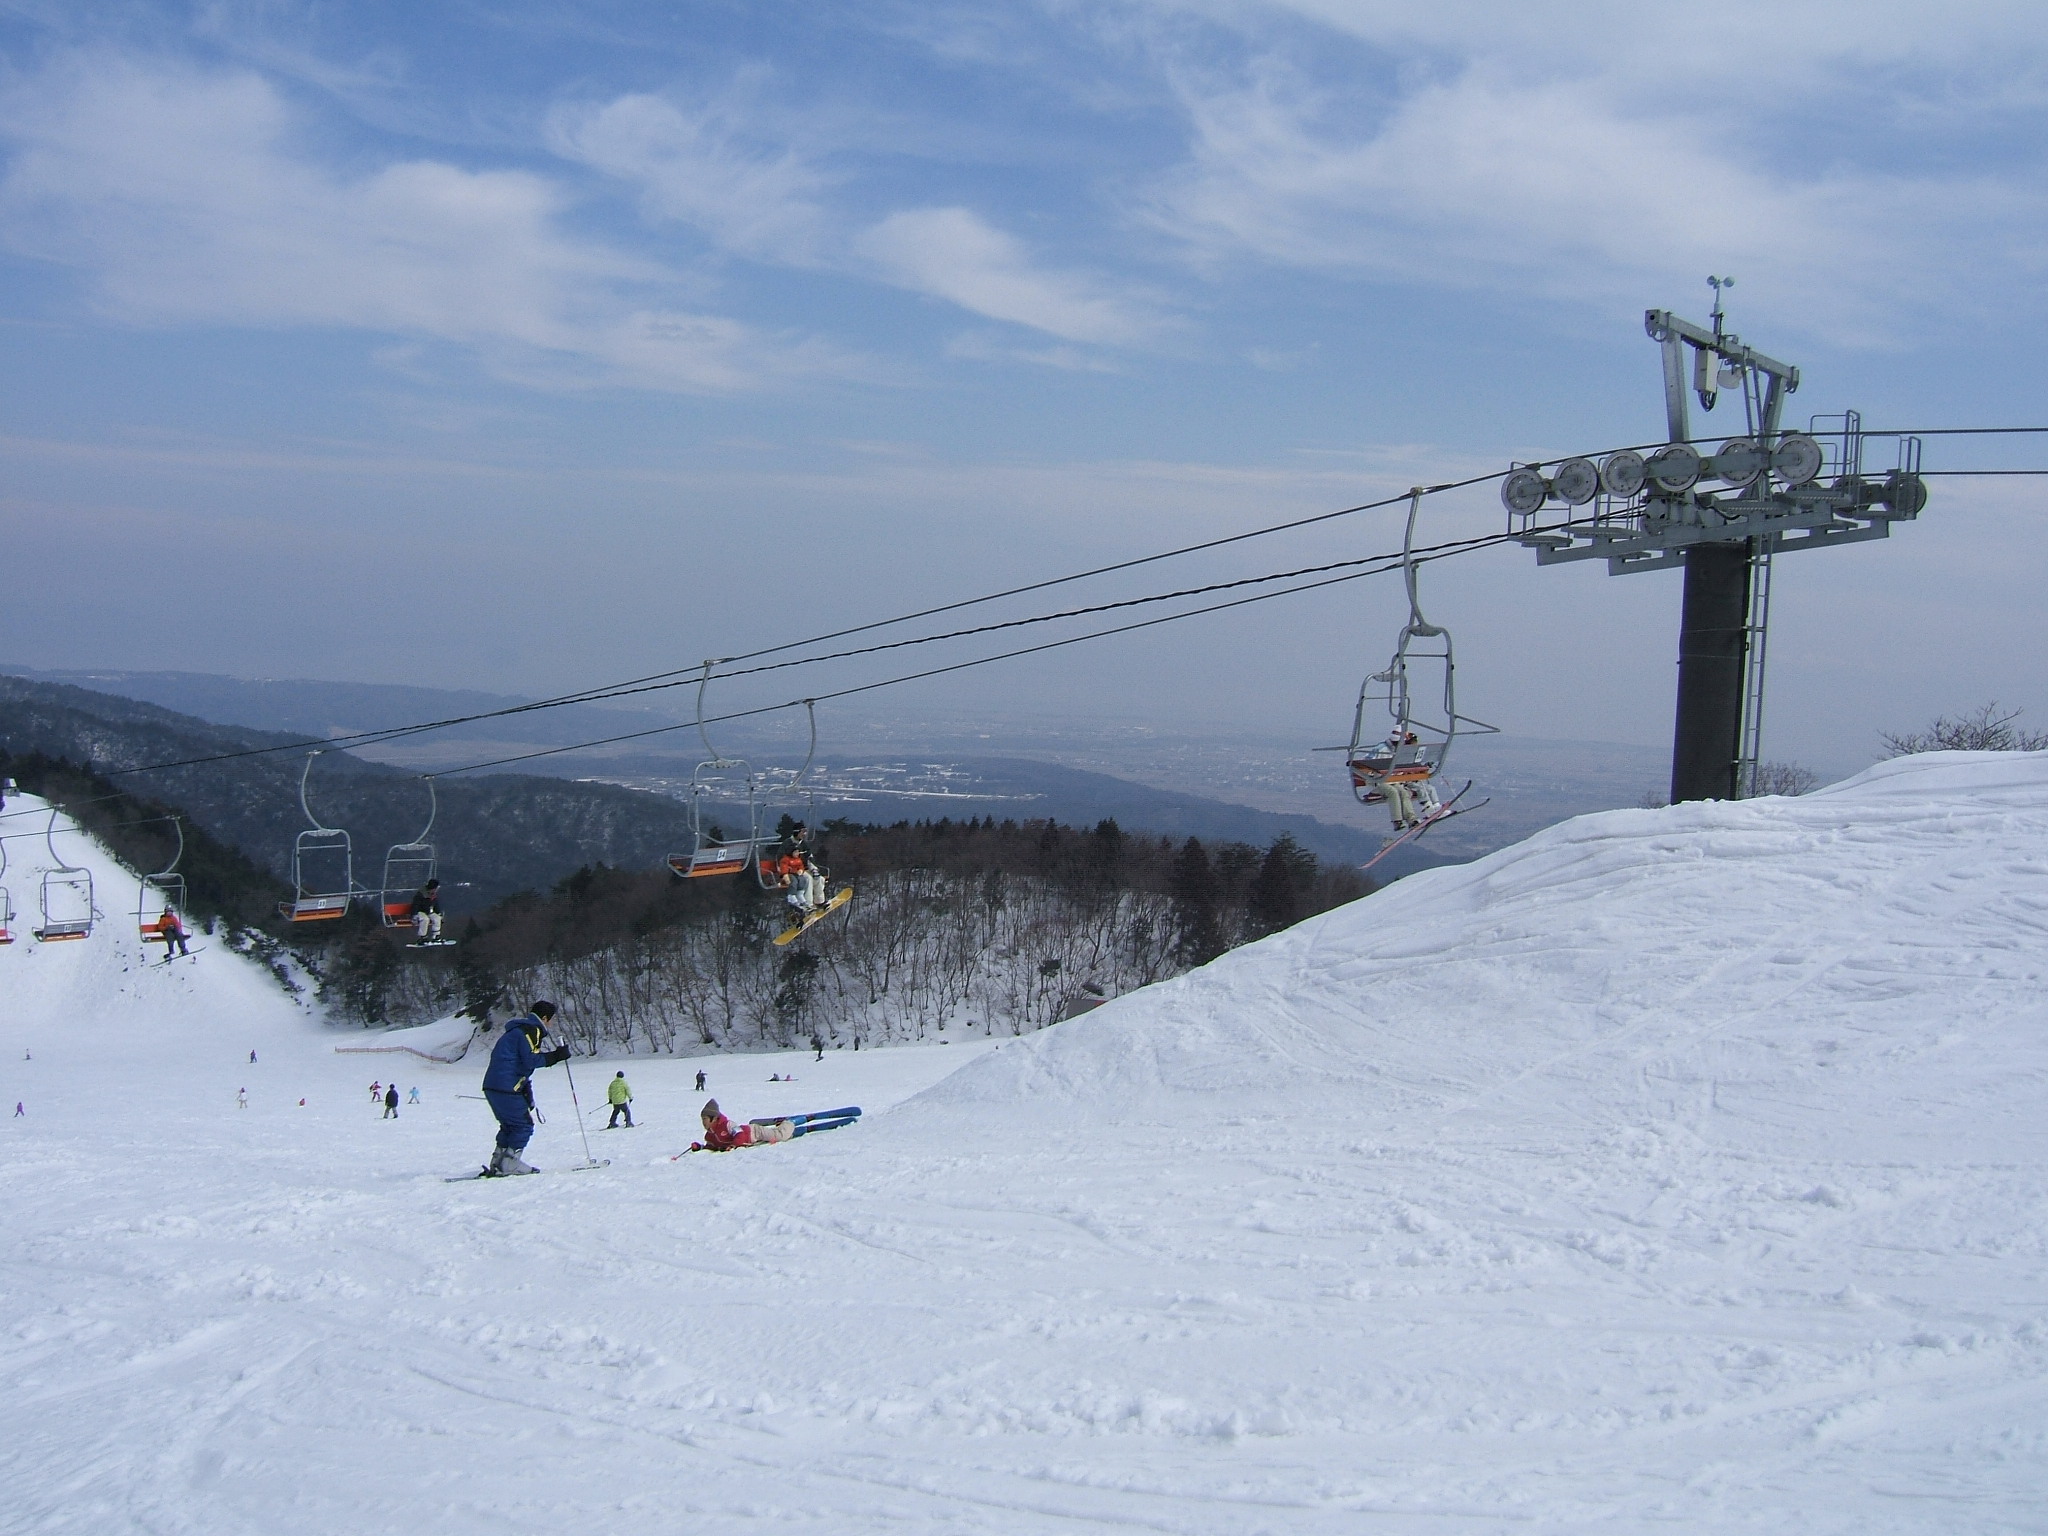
1887, 907
445, 1040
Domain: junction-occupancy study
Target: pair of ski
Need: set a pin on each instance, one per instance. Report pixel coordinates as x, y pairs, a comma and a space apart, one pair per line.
800, 1125
486, 1171
1443, 812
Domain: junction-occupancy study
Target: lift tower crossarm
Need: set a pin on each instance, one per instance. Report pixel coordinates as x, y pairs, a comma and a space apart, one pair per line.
1675, 335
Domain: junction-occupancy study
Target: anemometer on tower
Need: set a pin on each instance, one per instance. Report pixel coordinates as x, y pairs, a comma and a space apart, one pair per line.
1722, 516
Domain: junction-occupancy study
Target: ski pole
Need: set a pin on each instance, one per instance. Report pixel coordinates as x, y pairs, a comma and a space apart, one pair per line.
580, 1126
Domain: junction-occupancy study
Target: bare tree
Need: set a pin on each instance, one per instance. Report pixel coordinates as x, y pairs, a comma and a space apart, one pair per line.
1783, 779
1983, 729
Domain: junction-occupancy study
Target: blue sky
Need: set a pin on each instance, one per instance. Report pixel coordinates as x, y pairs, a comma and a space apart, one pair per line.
525, 347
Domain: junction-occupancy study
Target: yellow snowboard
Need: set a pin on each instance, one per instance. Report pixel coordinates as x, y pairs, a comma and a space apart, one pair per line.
839, 899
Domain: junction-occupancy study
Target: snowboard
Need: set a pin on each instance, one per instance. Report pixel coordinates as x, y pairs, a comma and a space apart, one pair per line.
432, 944
839, 899
167, 959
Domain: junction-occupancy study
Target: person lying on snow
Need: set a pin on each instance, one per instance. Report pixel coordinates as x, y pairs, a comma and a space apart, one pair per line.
721, 1135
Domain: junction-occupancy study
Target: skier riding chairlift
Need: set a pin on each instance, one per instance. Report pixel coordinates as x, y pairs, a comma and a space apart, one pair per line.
1400, 772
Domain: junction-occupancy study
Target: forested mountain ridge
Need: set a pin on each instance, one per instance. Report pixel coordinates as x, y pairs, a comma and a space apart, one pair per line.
498, 833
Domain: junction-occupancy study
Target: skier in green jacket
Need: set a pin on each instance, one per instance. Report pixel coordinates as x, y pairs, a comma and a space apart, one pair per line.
622, 1101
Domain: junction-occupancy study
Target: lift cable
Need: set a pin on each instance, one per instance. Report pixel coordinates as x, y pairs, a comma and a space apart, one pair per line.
1383, 565
681, 679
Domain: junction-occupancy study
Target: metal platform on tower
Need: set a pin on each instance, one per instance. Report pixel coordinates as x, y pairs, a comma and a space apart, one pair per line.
1722, 515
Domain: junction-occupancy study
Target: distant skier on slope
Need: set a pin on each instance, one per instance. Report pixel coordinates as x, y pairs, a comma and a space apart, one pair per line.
508, 1085
391, 1102
621, 1100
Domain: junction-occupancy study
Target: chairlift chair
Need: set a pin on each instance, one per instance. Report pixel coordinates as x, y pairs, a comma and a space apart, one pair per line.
1418, 691
716, 854
68, 909
318, 854
162, 892
6, 901
407, 867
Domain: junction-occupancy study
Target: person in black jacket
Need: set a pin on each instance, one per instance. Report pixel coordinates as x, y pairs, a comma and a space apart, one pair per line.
508, 1085
426, 913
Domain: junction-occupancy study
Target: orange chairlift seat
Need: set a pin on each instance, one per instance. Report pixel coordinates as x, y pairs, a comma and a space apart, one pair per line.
323, 867
68, 908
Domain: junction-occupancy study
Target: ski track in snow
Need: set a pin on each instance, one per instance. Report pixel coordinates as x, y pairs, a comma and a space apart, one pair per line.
1677, 1167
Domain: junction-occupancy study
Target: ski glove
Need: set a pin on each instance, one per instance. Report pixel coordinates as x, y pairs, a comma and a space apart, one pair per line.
555, 1057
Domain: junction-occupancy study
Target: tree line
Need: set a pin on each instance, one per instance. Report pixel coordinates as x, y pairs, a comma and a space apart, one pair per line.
991, 926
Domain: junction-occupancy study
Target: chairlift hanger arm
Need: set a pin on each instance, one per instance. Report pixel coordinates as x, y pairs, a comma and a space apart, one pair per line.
305, 805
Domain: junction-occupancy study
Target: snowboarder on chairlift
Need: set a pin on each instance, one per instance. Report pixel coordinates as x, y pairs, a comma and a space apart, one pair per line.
426, 913
797, 874
508, 1085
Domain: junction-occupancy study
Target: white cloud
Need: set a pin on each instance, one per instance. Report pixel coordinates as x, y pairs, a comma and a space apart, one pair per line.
1559, 150
764, 199
699, 169
185, 198
953, 254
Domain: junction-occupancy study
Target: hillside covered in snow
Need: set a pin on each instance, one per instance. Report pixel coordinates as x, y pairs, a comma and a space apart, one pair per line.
1683, 1167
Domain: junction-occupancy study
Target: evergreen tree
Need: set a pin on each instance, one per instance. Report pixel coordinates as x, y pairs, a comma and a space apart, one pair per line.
1196, 892
1275, 899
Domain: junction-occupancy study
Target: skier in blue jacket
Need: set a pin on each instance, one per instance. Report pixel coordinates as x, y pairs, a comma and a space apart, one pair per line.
508, 1085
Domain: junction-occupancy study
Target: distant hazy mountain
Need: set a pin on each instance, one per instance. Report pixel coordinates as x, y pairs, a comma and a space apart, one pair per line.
498, 833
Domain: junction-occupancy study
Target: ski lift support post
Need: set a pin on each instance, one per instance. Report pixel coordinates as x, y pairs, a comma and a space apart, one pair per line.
308, 906
71, 915
1722, 516
169, 887
405, 860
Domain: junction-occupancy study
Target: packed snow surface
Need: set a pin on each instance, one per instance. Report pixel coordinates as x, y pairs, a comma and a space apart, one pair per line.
1676, 1168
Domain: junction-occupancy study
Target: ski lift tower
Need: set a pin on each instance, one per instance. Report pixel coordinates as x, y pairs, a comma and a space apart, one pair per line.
1721, 515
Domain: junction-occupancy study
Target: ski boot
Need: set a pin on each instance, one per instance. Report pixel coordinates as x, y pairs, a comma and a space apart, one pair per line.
508, 1162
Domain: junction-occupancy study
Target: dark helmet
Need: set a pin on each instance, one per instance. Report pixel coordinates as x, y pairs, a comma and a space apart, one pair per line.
543, 1010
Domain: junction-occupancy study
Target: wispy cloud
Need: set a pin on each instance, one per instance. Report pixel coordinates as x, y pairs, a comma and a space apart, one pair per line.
955, 255
187, 196
702, 169
1595, 172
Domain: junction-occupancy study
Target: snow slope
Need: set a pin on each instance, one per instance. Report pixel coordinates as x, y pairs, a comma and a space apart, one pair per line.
1678, 1168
